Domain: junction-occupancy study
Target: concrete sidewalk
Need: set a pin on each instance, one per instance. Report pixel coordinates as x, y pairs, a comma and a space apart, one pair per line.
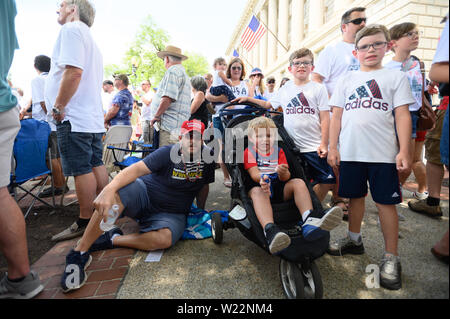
238, 268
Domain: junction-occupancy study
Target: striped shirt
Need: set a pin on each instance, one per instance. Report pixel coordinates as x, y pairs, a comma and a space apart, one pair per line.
175, 85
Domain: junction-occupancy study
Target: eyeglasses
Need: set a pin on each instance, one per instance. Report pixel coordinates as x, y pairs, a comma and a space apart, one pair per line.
357, 21
271, 82
236, 68
413, 34
301, 63
375, 46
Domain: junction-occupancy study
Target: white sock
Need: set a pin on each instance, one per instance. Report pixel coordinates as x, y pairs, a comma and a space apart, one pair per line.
82, 253
355, 237
306, 214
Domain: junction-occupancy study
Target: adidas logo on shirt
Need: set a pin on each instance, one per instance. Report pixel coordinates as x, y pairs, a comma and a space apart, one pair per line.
300, 105
366, 96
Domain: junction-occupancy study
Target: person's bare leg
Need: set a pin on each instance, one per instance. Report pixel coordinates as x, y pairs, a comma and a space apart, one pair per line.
321, 190
57, 173
418, 167
441, 247
389, 226
86, 188
13, 239
154, 240
93, 230
296, 188
262, 206
435, 175
356, 210
101, 176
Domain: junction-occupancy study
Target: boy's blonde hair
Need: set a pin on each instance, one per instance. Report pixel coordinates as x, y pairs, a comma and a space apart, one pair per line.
260, 122
372, 29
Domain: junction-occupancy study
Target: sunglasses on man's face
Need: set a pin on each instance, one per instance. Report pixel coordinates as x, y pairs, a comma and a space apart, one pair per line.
358, 21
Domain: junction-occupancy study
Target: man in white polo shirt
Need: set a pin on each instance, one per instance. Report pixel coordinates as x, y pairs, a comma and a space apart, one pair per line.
73, 93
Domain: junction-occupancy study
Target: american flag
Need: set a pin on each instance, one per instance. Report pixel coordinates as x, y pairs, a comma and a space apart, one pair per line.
252, 34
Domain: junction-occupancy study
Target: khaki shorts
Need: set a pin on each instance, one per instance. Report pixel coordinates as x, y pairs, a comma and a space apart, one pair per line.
166, 138
9, 127
433, 140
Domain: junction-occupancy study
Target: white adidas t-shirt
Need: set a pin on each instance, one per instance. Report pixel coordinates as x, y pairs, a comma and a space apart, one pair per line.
37, 96
335, 61
367, 127
76, 47
301, 106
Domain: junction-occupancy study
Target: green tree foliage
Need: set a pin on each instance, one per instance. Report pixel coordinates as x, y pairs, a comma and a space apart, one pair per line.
148, 41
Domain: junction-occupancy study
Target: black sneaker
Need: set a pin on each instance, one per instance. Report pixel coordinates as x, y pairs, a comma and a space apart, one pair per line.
345, 246
276, 238
58, 191
390, 272
104, 241
74, 276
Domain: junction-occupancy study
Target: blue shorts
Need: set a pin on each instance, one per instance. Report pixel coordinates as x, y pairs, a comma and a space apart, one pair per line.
444, 140
135, 199
217, 124
319, 170
414, 119
382, 178
80, 152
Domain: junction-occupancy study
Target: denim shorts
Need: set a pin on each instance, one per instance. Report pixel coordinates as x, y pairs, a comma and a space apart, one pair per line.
218, 127
444, 140
80, 152
414, 119
137, 205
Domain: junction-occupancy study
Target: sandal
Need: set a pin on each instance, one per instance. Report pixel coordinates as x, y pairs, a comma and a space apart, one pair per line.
344, 207
227, 183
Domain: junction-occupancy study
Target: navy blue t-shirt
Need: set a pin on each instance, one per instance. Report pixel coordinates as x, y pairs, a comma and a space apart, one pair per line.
168, 187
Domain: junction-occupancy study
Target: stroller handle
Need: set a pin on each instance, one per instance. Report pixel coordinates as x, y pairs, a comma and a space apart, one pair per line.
252, 108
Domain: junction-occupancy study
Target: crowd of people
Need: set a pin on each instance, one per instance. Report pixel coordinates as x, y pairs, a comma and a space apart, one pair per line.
353, 119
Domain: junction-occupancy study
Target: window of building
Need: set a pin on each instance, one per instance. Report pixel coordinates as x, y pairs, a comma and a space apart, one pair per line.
306, 18
329, 9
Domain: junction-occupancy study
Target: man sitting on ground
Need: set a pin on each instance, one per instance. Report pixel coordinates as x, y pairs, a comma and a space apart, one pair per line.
145, 192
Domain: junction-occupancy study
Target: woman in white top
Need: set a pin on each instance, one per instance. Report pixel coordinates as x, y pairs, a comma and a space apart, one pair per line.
240, 88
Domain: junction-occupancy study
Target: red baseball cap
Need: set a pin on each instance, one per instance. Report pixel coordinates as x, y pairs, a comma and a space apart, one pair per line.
192, 125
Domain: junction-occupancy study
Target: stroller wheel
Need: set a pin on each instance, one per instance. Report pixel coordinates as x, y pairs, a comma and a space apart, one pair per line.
217, 228
292, 280
312, 281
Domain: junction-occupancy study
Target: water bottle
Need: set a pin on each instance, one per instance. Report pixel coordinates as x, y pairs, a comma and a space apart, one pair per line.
111, 219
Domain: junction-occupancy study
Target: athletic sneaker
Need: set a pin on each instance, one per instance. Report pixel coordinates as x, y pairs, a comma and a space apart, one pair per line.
104, 241
276, 238
316, 227
74, 276
390, 272
346, 246
29, 287
418, 195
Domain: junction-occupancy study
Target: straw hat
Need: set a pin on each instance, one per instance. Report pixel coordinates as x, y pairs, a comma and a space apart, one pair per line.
171, 50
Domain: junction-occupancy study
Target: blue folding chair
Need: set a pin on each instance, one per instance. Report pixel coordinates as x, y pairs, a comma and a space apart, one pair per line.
32, 158
128, 160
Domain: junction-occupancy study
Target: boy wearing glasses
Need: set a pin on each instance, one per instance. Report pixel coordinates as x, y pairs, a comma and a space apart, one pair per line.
405, 39
370, 105
306, 118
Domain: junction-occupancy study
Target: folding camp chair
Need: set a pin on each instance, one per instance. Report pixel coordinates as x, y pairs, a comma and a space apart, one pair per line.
31, 158
117, 136
124, 157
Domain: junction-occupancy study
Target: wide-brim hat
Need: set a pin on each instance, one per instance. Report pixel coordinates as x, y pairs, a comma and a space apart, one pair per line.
171, 50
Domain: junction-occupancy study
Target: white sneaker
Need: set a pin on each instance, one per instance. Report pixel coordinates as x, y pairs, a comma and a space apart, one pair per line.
418, 195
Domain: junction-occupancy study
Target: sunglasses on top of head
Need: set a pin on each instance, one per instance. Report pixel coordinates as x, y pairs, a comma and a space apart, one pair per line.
358, 21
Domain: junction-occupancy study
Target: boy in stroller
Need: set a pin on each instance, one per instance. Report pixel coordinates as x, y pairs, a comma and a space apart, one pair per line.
271, 180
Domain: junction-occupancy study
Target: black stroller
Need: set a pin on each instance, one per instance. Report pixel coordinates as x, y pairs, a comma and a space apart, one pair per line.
300, 277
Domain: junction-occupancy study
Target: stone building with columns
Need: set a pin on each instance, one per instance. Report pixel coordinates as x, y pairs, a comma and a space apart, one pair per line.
316, 23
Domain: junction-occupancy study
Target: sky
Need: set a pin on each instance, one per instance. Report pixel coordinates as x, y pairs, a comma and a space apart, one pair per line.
202, 26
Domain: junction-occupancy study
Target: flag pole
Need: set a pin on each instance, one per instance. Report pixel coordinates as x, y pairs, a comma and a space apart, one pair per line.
267, 28
246, 61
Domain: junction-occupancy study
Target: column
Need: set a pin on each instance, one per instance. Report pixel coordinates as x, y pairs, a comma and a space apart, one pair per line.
283, 20
297, 23
316, 13
263, 41
273, 27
